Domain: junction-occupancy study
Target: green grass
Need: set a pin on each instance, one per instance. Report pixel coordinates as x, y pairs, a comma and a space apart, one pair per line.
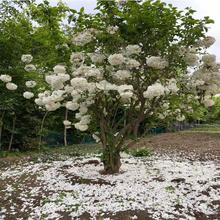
55, 152
204, 128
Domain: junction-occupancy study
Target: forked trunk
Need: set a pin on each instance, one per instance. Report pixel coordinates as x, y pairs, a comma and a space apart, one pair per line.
111, 160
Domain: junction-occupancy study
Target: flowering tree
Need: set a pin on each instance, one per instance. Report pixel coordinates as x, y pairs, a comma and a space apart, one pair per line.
26, 27
131, 61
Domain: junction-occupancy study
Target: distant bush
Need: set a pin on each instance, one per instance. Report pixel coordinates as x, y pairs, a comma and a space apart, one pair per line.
141, 152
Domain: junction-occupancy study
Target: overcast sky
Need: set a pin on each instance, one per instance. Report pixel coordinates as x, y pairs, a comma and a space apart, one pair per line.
203, 7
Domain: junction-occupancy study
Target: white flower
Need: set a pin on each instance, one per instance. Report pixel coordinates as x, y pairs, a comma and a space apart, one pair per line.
82, 38
85, 119
116, 59
124, 88
112, 29
157, 62
209, 59
155, 90
94, 73
30, 68
133, 49
83, 109
132, 63
39, 101
79, 83
5, 78
67, 123
81, 127
52, 106
59, 69
82, 70
72, 105
68, 89
207, 42
97, 57
122, 74
208, 102
126, 96
77, 57
28, 95
180, 118
172, 86
95, 137
106, 86
161, 116
26, 58
11, 86
30, 84
191, 59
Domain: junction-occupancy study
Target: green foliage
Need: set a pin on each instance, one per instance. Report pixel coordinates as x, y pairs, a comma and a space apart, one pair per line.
140, 152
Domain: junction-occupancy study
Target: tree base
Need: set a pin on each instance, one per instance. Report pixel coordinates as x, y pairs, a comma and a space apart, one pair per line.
112, 162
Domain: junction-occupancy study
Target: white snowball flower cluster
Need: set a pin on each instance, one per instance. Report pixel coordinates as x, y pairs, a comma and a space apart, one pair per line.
51, 101
112, 29
82, 125
125, 92
11, 86
122, 74
172, 86
209, 59
30, 68
77, 58
83, 38
28, 95
191, 59
52, 106
59, 77
207, 42
5, 78
106, 86
97, 58
132, 63
30, 84
157, 62
96, 137
79, 83
116, 59
72, 105
208, 101
67, 123
26, 58
180, 118
155, 90
133, 49
59, 69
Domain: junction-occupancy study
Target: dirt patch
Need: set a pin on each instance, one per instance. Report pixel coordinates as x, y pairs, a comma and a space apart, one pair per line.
201, 145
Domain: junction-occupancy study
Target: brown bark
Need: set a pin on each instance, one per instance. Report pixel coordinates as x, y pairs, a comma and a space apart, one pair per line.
12, 133
41, 130
112, 161
1, 128
65, 129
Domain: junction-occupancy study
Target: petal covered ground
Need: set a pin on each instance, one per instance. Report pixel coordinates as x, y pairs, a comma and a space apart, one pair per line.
158, 187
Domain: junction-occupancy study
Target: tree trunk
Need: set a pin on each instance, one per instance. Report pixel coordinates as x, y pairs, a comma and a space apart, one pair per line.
111, 160
136, 129
65, 129
41, 130
1, 128
12, 133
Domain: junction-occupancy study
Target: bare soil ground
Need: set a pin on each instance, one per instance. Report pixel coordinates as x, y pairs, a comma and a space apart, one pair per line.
202, 146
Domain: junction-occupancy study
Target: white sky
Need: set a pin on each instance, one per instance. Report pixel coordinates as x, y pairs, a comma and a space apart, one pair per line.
203, 7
